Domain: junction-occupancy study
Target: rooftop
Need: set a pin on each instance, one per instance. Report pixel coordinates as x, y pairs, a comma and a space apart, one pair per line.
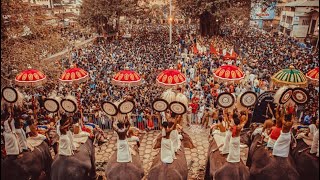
301, 4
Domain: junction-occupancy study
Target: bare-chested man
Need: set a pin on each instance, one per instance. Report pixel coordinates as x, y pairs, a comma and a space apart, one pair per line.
167, 152
234, 147
282, 145
123, 152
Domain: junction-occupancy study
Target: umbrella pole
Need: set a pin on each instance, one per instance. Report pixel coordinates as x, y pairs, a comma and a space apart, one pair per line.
34, 104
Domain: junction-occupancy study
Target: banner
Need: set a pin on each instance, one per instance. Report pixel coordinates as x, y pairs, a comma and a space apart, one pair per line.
263, 9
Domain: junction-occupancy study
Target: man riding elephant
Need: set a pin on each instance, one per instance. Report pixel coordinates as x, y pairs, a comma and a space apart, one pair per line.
125, 163
281, 164
30, 164
220, 167
168, 164
306, 155
72, 163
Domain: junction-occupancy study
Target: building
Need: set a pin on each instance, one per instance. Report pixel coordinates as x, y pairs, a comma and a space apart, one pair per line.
300, 19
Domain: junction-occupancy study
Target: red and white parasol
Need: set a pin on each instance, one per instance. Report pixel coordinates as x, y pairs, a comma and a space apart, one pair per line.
126, 77
30, 77
313, 75
170, 78
74, 75
228, 73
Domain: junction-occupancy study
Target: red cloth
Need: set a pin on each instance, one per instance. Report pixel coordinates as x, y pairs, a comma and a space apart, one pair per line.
213, 50
290, 109
150, 124
233, 56
275, 133
195, 49
194, 107
234, 130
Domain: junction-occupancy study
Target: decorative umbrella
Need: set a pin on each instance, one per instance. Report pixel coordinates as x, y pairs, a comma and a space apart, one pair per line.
313, 75
74, 75
228, 73
126, 77
289, 76
30, 77
170, 78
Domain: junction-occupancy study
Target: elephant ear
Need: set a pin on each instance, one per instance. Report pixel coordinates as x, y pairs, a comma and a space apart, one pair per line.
186, 141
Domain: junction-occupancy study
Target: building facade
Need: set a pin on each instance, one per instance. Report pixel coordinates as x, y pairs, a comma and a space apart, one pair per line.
300, 19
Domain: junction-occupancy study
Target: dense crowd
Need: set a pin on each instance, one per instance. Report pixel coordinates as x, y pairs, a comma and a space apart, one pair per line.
148, 53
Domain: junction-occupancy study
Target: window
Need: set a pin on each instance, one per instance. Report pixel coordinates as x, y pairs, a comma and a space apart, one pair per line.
305, 22
283, 17
289, 20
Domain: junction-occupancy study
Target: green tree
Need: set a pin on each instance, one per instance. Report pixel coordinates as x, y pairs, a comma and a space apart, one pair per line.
26, 39
211, 13
100, 14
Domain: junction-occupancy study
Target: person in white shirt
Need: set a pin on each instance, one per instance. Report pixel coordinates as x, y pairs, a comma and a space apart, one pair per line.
200, 112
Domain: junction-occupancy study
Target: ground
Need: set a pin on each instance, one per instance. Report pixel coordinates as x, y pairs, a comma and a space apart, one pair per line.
196, 157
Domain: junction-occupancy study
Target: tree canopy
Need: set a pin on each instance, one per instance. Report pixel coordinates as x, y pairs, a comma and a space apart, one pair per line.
101, 14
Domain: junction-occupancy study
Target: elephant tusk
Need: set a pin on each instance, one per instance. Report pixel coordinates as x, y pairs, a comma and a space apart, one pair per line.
304, 149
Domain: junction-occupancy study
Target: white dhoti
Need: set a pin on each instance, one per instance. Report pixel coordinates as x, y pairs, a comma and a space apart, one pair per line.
33, 142
65, 145
166, 152
176, 142
70, 135
234, 152
22, 139
218, 132
315, 144
11, 143
123, 152
282, 145
225, 148
271, 142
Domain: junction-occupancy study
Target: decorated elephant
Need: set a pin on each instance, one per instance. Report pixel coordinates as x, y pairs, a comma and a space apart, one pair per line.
218, 168
80, 166
131, 170
265, 166
307, 164
176, 170
34, 164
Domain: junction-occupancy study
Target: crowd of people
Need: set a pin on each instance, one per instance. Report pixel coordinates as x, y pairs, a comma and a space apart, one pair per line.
260, 55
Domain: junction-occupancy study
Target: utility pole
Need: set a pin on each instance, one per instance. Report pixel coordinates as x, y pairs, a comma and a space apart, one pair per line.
170, 21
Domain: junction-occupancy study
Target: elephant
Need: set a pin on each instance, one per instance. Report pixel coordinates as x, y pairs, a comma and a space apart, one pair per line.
177, 170
218, 168
80, 166
32, 165
307, 164
265, 166
133, 170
